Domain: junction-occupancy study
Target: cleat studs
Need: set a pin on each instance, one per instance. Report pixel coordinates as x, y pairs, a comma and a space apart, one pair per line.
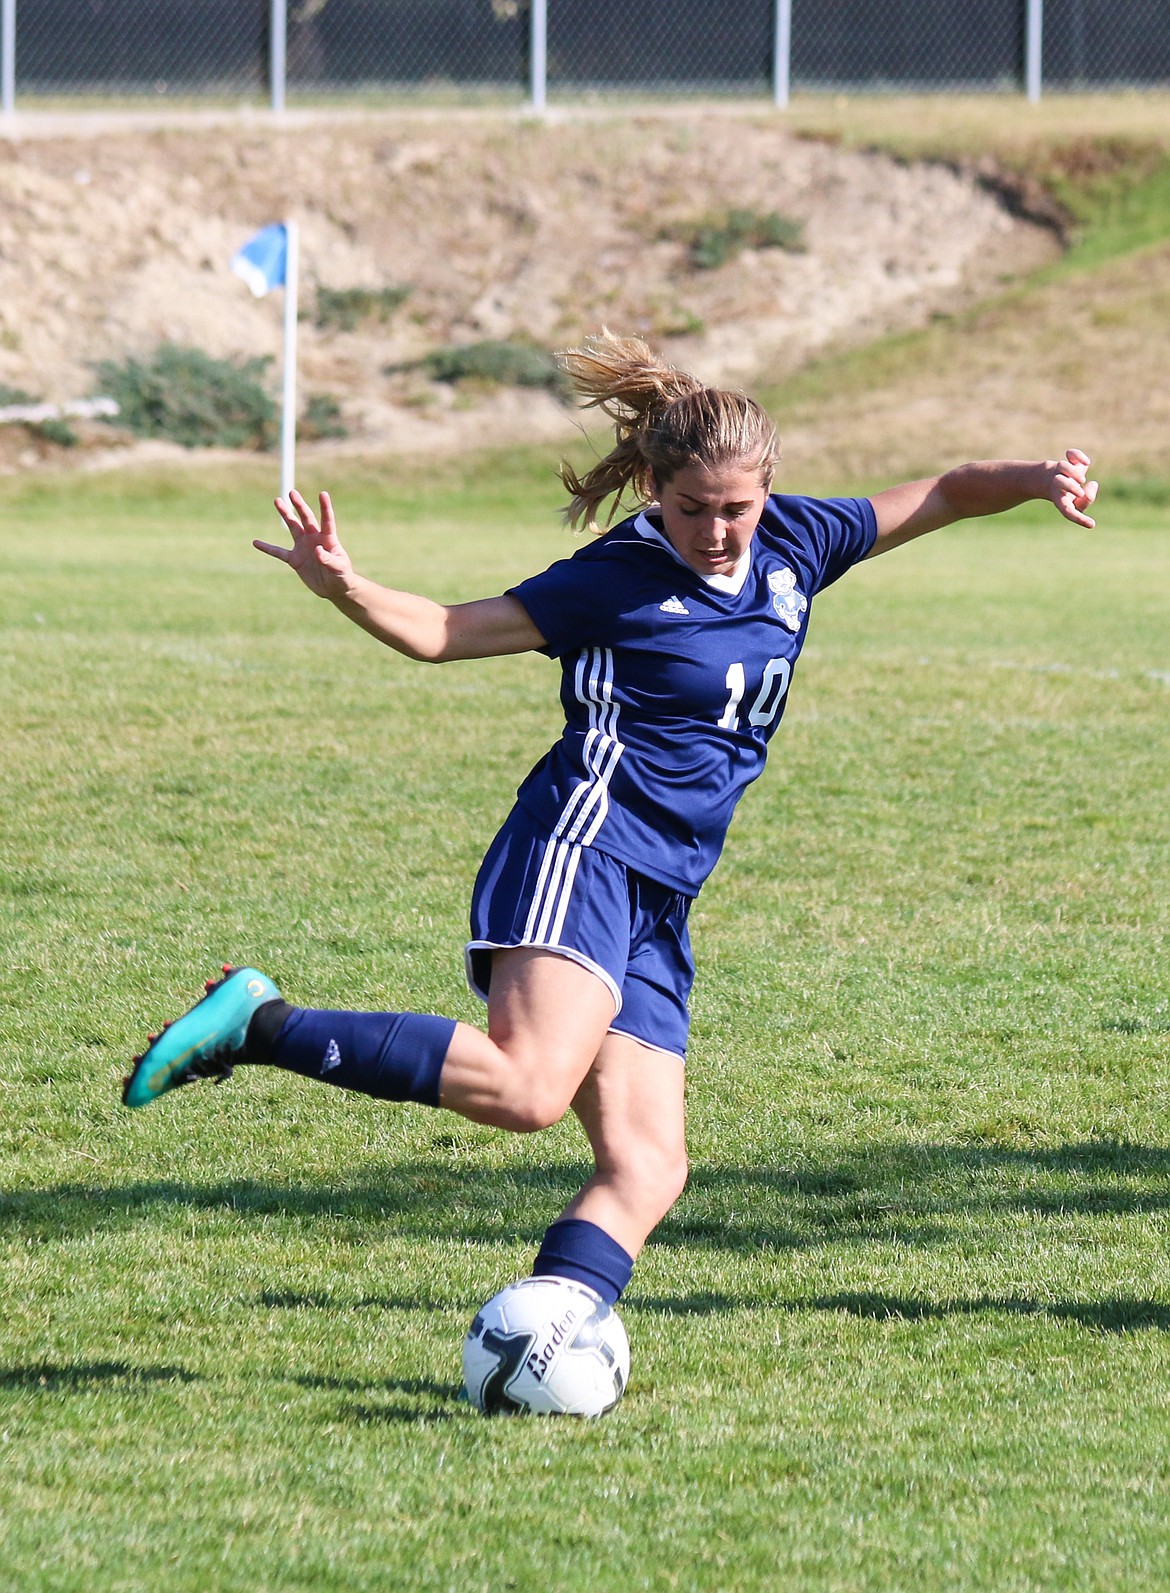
227, 967
151, 1038
209, 985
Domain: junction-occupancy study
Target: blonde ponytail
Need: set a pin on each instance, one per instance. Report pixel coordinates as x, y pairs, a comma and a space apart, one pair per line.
664, 419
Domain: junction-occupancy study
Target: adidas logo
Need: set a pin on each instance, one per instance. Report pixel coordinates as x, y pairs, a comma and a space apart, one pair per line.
332, 1057
674, 605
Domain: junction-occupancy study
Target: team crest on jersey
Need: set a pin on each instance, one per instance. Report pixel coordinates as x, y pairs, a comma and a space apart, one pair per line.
789, 603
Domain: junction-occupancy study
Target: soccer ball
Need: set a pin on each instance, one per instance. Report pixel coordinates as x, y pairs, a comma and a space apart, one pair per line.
548, 1345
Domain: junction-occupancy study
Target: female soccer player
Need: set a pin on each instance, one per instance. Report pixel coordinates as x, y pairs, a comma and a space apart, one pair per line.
677, 633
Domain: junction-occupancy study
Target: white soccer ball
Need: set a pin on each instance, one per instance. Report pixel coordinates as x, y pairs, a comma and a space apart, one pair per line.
548, 1345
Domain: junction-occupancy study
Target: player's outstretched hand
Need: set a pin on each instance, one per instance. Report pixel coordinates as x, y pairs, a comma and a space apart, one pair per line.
1071, 490
316, 554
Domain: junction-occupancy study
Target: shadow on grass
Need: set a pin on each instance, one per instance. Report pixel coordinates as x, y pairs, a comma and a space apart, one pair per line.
433, 1402
436, 1402
324, 1300
52, 1376
1105, 1316
366, 1414
420, 1387
915, 1194
687, 1305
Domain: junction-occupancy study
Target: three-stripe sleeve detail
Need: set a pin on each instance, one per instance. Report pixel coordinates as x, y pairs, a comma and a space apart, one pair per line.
585, 811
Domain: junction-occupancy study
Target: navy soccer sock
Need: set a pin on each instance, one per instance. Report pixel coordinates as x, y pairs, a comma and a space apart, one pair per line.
580, 1250
394, 1056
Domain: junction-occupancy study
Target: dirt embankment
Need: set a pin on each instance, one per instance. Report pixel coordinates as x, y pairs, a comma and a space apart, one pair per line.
112, 244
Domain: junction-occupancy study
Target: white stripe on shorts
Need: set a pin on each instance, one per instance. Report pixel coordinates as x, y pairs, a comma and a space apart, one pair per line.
552, 892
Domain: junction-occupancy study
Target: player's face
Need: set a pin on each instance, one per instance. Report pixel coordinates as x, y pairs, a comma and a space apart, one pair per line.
710, 514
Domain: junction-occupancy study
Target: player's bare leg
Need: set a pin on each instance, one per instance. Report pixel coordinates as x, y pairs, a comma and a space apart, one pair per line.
632, 1108
547, 1048
547, 1017
547, 1021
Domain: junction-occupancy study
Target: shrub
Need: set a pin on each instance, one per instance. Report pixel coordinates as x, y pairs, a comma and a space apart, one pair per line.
345, 309
499, 364
716, 240
321, 419
191, 398
678, 322
55, 431
52, 431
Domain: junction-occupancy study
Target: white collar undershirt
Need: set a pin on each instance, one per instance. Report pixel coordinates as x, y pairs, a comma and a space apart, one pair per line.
732, 583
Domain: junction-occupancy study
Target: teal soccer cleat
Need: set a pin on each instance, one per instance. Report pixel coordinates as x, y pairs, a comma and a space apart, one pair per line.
205, 1042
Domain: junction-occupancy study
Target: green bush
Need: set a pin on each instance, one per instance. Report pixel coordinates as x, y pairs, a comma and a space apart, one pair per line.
321, 419
714, 241
500, 364
191, 398
344, 309
55, 431
52, 431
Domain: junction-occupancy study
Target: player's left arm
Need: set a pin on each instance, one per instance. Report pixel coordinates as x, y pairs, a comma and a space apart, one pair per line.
989, 486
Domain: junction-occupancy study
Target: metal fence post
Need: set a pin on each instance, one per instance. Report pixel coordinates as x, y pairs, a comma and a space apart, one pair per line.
8, 57
278, 52
782, 61
538, 55
1034, 49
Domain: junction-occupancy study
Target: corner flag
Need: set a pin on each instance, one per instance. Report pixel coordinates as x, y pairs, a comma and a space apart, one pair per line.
263, 260
269, 260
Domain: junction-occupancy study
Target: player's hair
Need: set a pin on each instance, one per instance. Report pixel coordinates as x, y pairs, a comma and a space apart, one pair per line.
665, 420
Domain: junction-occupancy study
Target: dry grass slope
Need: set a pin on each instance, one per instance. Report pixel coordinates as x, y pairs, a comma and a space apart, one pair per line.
922, 322
1079, 360
499, 229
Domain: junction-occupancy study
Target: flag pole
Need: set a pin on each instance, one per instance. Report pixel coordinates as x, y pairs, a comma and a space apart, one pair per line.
7, 58
288, 412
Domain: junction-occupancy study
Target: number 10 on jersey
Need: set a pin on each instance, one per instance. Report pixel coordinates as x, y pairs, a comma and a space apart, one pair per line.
767, 704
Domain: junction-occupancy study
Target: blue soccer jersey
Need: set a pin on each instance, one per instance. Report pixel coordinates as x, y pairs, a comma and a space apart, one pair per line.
673, 682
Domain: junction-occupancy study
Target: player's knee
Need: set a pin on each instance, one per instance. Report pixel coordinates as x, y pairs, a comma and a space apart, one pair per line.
654, 1176
670, 1174
535, 1089
675, 1177
533, 1105
530, 1117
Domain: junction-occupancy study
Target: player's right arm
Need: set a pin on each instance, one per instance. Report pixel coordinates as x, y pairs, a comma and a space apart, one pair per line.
416, 626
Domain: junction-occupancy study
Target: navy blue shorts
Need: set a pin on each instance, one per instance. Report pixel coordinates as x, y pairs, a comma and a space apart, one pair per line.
535, 889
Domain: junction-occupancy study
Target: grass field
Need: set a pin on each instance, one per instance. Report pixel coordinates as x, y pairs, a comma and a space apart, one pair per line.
910, 1323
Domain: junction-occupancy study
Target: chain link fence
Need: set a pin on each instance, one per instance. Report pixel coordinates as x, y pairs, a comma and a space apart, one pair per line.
255, 50
133, 47
949, 44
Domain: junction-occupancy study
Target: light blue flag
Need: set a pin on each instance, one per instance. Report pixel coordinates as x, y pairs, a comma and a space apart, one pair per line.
263, 260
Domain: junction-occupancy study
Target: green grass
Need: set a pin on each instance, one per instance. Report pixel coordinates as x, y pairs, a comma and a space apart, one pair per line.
909, 1325
1124, 209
